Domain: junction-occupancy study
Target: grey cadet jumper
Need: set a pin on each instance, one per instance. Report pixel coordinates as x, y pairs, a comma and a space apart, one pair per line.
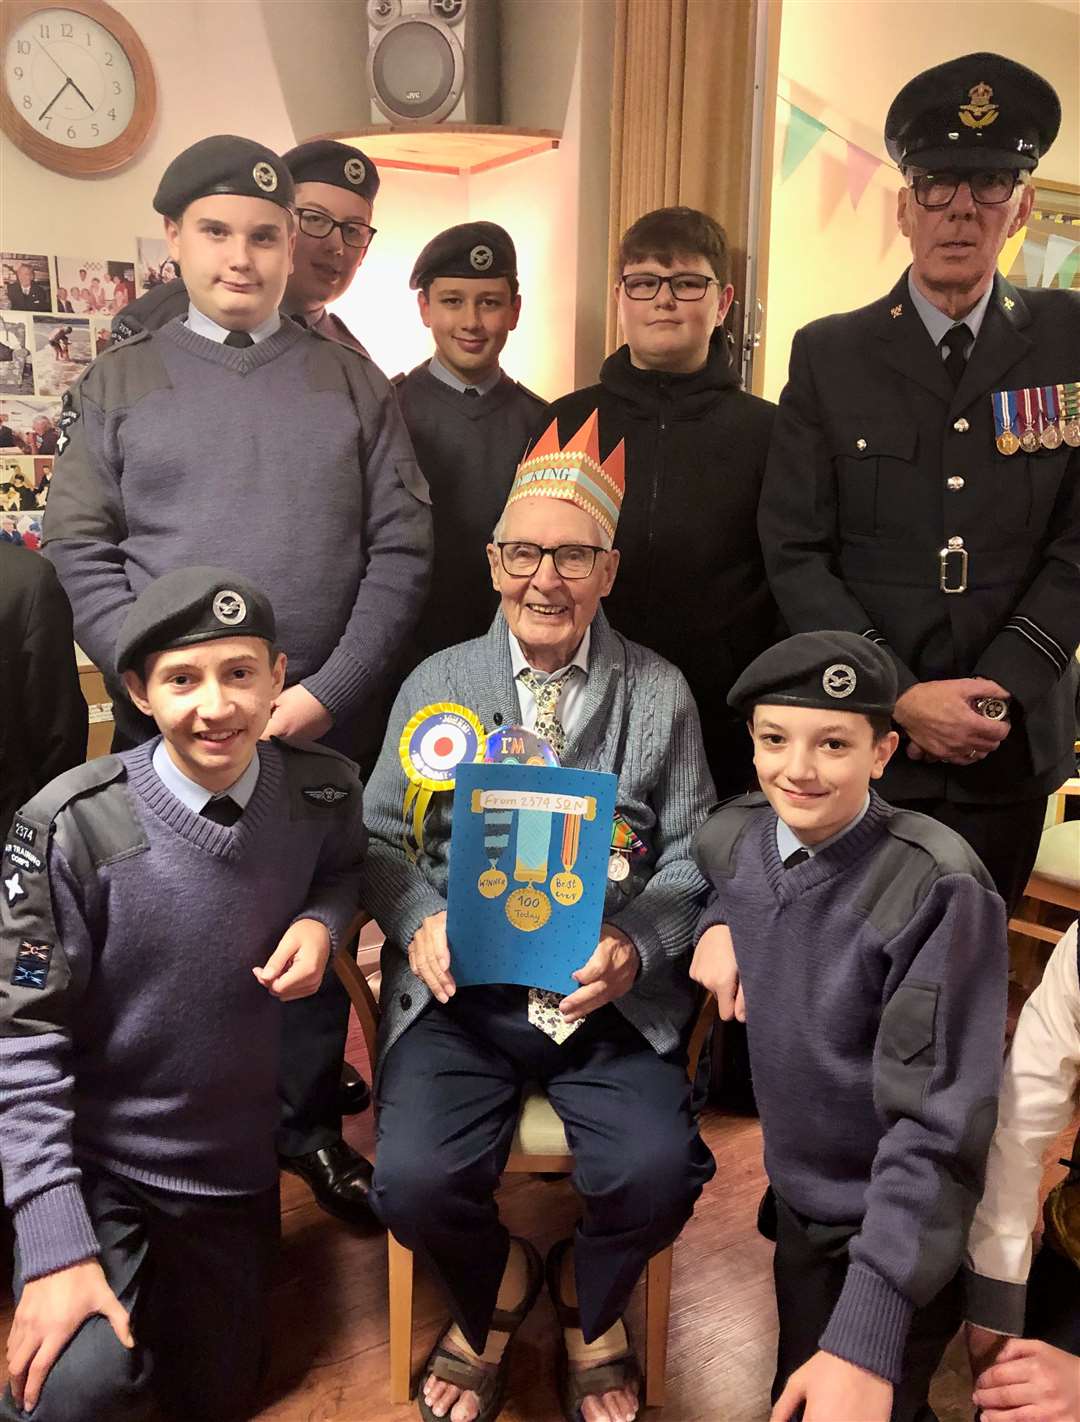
875, 980
639, 722
288, 461
133, 1035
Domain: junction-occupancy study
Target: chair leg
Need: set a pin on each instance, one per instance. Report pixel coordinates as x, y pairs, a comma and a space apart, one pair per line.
400, 1278
657, 1315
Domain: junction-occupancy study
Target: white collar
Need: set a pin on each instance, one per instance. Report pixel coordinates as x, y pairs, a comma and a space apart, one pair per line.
202, 324
580, 659
195, 796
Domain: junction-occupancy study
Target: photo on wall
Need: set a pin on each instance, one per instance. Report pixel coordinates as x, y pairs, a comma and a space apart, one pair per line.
28, 426
101, 335
92, 286
16, 367
25, 282
43, 469
61, 352
153, 265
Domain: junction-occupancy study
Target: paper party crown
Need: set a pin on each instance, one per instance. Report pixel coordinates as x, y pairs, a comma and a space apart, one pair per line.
574, 472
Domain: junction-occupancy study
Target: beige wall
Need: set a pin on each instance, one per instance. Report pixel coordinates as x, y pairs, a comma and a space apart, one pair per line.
842, 61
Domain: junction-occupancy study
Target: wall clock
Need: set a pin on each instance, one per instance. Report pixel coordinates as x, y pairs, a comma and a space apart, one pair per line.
77, 90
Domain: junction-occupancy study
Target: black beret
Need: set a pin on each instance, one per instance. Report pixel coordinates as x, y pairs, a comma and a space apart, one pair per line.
192, 605
155, 308
324, 161
223, 164
471, 249
827, 670
978, 111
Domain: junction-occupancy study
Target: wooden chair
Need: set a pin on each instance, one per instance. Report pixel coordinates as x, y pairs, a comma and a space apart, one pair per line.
1055, 878
539, 1146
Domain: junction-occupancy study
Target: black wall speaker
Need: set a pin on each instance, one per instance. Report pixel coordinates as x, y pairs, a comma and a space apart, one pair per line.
433, 61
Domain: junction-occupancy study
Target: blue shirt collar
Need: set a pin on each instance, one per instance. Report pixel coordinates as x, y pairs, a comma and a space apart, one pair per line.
440, 372
937, 322
199, 322
787, 841
195, 796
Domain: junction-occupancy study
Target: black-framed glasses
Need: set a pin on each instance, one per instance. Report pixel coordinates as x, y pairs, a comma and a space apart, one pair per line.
314, 223
685, 286
572, 560
989, 187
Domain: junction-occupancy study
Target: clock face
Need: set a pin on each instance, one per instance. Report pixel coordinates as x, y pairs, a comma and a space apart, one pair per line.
69, 78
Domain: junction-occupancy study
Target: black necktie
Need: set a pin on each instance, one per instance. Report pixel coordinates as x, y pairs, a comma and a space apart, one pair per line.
956, 341
224, 811
239, 340
472, 392
300, 320
796, 857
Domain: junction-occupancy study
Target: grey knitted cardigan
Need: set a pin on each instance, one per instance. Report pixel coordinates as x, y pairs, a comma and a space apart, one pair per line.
639, 722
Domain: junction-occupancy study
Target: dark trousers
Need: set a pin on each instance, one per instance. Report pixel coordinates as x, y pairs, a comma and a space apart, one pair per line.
1005, 837
448, 1098
313, 1033
809, 1268
194, 1274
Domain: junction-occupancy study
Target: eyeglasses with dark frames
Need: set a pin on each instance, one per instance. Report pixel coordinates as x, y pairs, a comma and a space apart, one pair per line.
572, 560
685, 286
320, 224
988, 188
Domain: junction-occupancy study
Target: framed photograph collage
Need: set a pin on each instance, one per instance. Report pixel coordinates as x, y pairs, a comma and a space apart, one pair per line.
55, 317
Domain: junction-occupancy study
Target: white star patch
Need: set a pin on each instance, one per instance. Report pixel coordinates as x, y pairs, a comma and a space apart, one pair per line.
62, 442
14, 889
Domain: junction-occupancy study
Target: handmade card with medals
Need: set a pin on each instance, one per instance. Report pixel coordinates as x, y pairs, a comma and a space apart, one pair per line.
529, 852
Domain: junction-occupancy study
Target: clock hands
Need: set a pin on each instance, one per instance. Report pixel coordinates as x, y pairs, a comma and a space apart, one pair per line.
81, 95
53, 100
67, 81
59, 66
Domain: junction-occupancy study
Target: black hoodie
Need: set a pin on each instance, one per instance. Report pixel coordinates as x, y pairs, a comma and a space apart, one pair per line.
691, 583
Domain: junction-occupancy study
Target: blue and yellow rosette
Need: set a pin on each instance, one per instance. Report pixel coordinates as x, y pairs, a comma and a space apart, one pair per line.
435, 741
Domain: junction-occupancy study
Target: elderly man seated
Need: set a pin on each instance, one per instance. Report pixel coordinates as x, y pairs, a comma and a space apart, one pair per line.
610, 1056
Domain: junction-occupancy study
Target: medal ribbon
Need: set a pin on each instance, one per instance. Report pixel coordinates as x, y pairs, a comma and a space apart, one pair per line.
1040, 408
1029, 417
571, 840
531, 851
1053, 405
1004, 410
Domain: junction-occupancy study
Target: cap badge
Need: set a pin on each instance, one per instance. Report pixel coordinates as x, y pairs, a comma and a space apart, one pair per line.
229, 607
355, 171
264, 175
838, 680
980, 111
481, 257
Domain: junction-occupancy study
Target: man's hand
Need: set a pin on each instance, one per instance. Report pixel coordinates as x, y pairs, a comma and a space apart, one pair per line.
1030, 1382
297, 713
983, 1346
429, 957
609, 973
51, 1311
944, 725
295, 968
833, 1389
714, 967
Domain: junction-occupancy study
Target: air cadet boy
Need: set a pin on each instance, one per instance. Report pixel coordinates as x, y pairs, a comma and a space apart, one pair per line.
322, 500
872, 957
335, 188
923, 484
156, 907
469, 421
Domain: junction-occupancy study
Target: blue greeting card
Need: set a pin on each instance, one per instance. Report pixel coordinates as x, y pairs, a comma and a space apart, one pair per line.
529, 851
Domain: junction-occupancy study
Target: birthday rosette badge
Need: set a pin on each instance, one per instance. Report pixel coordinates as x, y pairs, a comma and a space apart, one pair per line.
435, 741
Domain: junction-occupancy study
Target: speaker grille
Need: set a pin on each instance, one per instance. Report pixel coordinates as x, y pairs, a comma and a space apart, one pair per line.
416, 70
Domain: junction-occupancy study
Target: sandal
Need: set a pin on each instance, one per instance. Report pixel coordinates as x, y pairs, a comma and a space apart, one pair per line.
576, 1384
487, 1380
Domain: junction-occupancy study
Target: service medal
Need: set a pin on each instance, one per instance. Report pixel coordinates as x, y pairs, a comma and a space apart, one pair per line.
1069, 404
1050, 436
618, 867
1007, 442
1029, 439
1070, 433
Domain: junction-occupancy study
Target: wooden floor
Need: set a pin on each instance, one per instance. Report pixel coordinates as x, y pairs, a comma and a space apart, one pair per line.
330, 1319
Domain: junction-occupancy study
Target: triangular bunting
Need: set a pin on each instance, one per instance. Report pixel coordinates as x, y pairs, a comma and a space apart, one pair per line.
1057, 250
803, 131
1068, 269
1032, 254
1008, 253
861, 167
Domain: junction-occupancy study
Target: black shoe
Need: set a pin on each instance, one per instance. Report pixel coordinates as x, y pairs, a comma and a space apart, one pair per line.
340, 1180
354, 1094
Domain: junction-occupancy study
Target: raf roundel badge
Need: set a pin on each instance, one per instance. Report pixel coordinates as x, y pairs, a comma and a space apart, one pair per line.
355, 171
265, 176
838, 680
229, 607
481, 257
